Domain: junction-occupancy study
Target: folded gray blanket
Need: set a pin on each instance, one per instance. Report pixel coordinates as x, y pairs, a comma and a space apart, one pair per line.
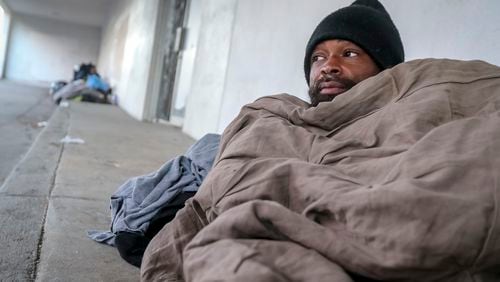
139, 199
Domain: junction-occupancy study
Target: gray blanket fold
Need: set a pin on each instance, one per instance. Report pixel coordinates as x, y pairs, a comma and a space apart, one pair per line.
139, 199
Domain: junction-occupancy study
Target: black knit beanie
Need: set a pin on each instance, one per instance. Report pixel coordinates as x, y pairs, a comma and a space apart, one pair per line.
365, 23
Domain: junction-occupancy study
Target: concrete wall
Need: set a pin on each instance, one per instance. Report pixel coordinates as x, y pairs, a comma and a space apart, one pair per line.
2, 39
4, 35
205, 100
457, 29
43, 50
127, 51
251, 48
114, 35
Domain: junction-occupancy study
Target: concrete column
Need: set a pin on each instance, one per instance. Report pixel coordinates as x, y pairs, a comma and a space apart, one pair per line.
209, 78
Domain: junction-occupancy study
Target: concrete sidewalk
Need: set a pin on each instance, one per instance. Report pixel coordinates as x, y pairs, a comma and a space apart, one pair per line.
22, 107
59, 191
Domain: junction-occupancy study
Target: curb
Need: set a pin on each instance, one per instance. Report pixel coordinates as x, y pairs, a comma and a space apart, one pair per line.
24, 198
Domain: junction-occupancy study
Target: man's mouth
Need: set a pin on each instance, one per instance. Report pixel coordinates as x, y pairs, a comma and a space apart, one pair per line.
327, 88
331, 88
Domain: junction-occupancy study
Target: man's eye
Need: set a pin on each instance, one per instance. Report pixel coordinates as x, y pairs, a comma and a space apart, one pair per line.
316, 58
350, 54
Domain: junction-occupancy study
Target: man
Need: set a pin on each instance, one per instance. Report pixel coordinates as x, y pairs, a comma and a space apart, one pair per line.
349, 46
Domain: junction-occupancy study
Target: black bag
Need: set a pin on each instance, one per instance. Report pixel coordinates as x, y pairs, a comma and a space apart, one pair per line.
131, 246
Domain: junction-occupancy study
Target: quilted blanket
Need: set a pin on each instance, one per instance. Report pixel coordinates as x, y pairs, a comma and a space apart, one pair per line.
397, 179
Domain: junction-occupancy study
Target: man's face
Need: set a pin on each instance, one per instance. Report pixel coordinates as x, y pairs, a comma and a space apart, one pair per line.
336, 66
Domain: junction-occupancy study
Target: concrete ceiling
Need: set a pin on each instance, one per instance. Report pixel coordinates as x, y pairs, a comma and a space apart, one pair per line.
86, 12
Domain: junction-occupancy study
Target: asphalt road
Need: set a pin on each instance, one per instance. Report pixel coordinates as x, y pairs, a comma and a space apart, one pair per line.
22, 108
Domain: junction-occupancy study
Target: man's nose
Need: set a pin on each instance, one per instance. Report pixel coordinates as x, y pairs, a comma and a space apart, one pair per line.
332, 65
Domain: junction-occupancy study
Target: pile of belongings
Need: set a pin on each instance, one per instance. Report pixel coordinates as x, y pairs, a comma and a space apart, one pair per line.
87, 85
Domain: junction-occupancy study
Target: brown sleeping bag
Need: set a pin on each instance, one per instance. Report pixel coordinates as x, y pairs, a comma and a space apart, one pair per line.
397, 179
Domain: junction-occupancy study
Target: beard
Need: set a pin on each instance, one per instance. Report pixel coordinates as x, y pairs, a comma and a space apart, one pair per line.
315, 89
